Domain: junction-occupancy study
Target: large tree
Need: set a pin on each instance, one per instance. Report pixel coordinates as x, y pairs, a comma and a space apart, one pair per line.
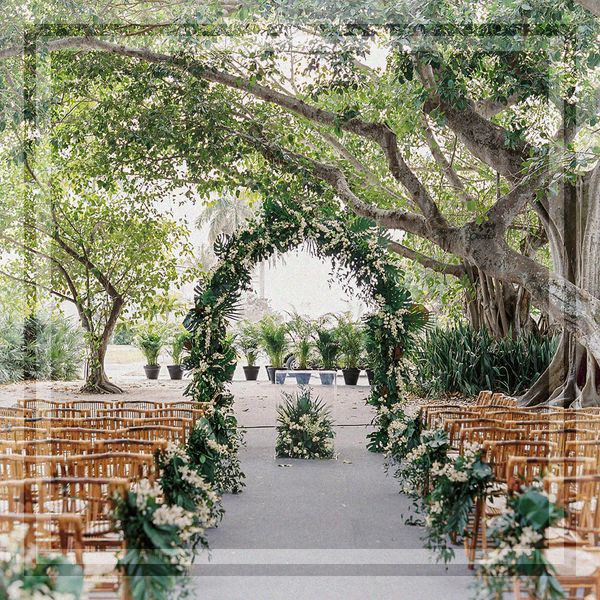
467, 126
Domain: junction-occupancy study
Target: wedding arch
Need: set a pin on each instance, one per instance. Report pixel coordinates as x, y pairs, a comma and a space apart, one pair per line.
358, 252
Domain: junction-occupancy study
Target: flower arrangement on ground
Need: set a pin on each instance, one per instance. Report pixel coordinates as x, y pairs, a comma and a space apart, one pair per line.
159, 539
519, 536
305, 428
212, 448
25, 576
456, 487
182, 484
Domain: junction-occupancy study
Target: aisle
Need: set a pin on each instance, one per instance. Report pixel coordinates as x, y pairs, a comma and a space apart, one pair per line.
320, 530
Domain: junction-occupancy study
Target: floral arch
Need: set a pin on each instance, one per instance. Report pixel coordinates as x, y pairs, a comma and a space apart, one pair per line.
358, 251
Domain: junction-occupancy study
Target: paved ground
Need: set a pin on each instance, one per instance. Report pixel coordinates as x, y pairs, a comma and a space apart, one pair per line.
314, 530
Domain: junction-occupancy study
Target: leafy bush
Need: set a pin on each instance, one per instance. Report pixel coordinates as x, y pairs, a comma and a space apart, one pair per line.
304, 427
248, 341
350, 335
328, 348
274, 340
40, 348
150, 342
124, 335
465, 361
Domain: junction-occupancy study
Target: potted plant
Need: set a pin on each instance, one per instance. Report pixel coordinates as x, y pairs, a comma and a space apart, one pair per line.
150, 342
300, 330
350, 336
273, 336
177, 347
328, 349
248, 342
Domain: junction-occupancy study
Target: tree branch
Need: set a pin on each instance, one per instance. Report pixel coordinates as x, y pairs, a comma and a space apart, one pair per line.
426, 261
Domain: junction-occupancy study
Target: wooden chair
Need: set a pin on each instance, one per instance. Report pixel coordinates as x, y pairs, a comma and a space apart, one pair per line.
124, 413
588, 448
130, 445
481, 435
524, 470
153, 432
143, 404
454, 427
579, 496
497, 454
561, 436
90, 498
108, 465
16, 411
23, 466
63, 412
62, 532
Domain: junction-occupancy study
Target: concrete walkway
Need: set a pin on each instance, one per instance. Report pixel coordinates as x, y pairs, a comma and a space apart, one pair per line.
319, 530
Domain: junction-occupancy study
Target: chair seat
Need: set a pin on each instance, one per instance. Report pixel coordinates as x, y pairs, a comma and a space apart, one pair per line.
574, 561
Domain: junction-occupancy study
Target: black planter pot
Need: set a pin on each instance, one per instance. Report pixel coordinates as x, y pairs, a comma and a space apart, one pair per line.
351, 376
271, 374
251, 372
370, 375
303, 377
175, 371
327, 378
152, 371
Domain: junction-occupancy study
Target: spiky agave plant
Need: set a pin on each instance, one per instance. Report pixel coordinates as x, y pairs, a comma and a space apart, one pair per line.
304, 427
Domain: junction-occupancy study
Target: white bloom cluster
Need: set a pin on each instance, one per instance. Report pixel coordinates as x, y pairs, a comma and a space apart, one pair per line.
216, 447
145, 490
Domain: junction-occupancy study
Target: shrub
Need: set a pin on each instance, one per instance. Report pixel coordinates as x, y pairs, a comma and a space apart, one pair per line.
304, 427
124, 335
465, 361
273, 338
350, 335
40, 348
150, 342
328, 348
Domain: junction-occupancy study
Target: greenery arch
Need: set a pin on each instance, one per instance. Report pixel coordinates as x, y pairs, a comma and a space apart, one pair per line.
358, 251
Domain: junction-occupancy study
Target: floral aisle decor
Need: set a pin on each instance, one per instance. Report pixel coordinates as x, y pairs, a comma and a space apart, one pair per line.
519, 536
414, 470
403, 428
304, 427
212, 448
27, 576
456, 486
182, 484
358, 250
159, 539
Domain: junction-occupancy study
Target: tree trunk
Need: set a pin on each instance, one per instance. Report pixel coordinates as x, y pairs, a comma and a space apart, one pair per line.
96, 381
573, 376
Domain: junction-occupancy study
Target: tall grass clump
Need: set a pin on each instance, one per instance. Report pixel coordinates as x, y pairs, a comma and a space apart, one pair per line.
40, 348
462, 360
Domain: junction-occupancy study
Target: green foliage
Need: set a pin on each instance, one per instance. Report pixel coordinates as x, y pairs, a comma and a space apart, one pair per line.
41, 348
178, 344
150, 341
124, 335
184, 486
457, 486
273, 335
518, 535
51, 577
212, 448
462, 360
350, 335
304, 427
159, 541
328, 347
301, 329
248, 341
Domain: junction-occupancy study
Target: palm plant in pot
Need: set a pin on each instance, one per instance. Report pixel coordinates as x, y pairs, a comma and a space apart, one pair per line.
328, 348
248, 342
300, 329
273, 336
150, 342
177, 347
350, 336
